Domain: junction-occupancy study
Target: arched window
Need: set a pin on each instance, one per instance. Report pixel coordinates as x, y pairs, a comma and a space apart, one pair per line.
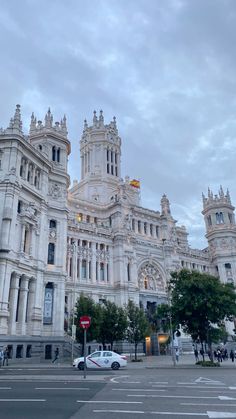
58, 154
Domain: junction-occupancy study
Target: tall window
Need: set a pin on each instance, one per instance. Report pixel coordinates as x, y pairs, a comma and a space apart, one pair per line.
52, 224
219, 218
157, 231
102, 272
58, 154
145, 228
139, 226
151, 229
26, 247
51, 253
54, 153
209, 220
84, 270
128, 271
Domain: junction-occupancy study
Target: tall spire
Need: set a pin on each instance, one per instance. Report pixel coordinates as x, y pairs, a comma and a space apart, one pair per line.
95, 119
48, 119
33, 122
15, 122
101, 118
165, 205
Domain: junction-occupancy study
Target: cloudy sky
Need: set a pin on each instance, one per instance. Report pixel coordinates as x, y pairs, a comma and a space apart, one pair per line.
165, 68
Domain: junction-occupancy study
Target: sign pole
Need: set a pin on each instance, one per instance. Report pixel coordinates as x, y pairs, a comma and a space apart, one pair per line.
85, 341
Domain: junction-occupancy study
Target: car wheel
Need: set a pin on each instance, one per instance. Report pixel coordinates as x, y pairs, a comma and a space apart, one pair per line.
115, 365
81, 365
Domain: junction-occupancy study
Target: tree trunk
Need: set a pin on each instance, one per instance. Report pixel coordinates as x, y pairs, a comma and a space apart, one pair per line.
135, 351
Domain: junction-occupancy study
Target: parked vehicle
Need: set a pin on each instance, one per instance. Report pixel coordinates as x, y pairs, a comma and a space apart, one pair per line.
101, 359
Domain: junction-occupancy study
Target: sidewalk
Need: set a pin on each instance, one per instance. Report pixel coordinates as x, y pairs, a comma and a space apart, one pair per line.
162, 361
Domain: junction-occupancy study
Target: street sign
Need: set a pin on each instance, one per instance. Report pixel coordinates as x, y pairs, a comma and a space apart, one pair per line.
85, 322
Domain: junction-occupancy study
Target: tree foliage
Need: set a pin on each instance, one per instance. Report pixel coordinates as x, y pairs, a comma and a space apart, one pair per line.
85, 306
113, 323
138, 326
201, 303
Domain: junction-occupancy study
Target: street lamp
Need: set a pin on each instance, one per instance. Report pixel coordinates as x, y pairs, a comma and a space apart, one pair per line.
169, 304
73, 326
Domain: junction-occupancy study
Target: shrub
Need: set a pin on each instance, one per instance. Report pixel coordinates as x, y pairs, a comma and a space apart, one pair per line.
208, 364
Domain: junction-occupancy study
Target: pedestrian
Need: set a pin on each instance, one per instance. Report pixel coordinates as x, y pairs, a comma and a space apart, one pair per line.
202, 353
231, 355
1, 356
177, 354
56, 357
196, 354
5, 356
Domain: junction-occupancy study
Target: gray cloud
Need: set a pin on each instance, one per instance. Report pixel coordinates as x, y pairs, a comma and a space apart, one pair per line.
166, 69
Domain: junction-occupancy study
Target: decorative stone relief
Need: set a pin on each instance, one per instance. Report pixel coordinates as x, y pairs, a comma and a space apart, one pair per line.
150, 278
57, 190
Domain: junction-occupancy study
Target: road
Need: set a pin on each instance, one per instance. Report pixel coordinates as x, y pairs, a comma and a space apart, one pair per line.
144, 392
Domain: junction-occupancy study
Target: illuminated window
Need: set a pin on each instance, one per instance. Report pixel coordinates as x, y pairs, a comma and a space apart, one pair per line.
79, 217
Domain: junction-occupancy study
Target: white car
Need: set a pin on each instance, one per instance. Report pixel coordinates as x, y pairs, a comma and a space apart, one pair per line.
101, 359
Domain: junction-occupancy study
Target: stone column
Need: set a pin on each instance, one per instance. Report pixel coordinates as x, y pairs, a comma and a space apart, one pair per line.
24, 289
30, 303
14, 289
93, 263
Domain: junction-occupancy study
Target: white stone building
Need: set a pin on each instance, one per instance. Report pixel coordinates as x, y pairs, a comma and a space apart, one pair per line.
94, 238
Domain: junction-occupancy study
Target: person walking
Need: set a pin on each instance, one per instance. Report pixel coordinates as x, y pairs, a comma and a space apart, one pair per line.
1, 357
231, 355
196, 354
56, 357
5, 356
177, 354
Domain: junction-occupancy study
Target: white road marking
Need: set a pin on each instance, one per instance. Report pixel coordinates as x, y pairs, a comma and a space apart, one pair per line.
114, 379
5, 388
135, 389
226, 398
171, 397
217, 415
208, 381
232, 388
152, 413
107, 401
207, 404
194, 387
61, 388
119, 411
159, 382
22, 400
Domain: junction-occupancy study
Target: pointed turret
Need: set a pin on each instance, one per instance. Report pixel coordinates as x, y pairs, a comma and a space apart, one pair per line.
101, 118
33, 123
48, 119
15, 122
95, 119
165, 205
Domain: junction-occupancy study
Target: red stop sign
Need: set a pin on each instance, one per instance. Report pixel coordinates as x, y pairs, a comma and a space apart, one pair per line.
85, 322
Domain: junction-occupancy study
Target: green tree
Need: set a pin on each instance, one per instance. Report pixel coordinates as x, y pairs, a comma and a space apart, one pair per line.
113, 323
201, 303
85, 306
138, 326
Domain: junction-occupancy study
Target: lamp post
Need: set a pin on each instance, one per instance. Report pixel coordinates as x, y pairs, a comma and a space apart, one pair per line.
73, 326
169, 304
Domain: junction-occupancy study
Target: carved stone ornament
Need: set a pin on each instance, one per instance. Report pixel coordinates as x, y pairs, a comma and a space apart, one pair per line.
150, 278
56, 191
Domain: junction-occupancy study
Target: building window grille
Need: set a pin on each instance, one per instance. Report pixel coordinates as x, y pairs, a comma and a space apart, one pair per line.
219, 218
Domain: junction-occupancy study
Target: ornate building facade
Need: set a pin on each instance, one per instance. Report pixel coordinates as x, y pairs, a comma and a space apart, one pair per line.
95, 238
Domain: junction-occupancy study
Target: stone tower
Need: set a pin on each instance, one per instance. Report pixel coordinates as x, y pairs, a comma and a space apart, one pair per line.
221, 233
100, 153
